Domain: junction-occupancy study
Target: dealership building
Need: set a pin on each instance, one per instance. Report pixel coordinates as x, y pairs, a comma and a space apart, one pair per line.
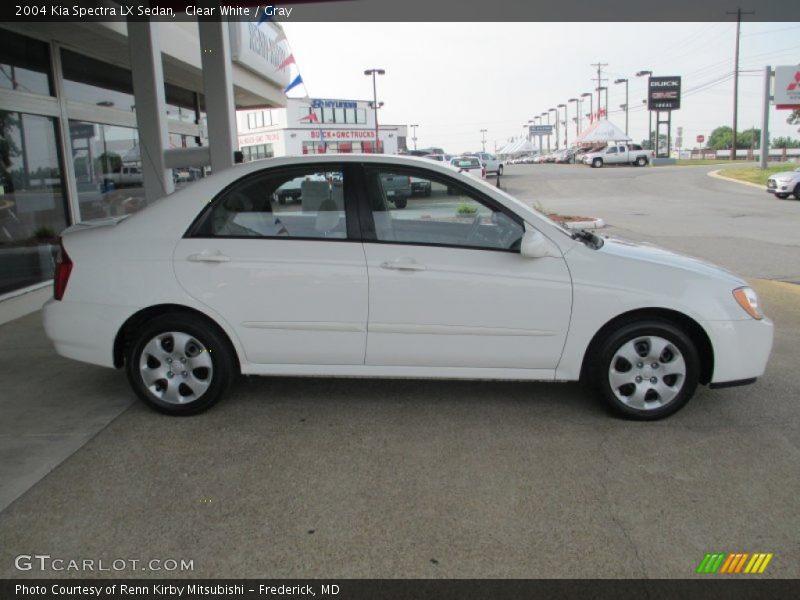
100, 119
316, 126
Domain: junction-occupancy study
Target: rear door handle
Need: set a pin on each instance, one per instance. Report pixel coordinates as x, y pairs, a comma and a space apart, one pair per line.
401, 265
210, 258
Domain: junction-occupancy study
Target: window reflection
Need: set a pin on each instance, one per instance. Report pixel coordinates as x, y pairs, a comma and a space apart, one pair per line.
24, 64
108, 169
32, 212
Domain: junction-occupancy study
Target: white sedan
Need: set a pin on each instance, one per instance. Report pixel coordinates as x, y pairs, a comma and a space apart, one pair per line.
220, 279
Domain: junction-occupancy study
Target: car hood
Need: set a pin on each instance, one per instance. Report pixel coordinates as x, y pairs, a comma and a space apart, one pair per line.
787, 176
648, 253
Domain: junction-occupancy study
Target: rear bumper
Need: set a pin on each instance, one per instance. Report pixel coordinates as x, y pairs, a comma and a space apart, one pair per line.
741, 350
84, 332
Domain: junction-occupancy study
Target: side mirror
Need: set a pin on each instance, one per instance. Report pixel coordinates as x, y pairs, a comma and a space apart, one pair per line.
534, 245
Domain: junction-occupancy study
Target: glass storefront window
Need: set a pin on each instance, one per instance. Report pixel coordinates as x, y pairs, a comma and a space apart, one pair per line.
32, 208
361, 115
107, 169
24, 64
95, 82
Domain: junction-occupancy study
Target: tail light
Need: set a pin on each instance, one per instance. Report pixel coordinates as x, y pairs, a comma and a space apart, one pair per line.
63, 270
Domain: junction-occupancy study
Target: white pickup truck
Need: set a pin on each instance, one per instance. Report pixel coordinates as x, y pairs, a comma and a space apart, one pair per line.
126, 176
490, 162
619, 154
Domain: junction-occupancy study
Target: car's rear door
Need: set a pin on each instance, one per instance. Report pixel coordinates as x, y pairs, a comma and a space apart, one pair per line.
290, 278
448, 286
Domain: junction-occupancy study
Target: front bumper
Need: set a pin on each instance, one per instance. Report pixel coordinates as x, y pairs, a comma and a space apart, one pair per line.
741, 349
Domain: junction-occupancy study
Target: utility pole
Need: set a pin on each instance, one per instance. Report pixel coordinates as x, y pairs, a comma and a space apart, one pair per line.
762, 159
625, 81
483, 140
414, 134
600, 81
738, 14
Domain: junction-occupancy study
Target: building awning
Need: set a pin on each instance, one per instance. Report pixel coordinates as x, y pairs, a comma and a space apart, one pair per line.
601, 132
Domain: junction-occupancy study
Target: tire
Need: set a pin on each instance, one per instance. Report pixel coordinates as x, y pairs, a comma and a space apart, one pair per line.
401, 202
634, 388
500, 170
427, 193
782, 196
175, 337
796, 192
282, 200
641, 161
597, 163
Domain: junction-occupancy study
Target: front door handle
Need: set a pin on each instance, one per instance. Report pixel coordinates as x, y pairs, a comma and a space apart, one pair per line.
403, 265
210, 258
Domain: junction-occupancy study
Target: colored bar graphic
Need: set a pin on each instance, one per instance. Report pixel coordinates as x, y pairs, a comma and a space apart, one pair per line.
734, 562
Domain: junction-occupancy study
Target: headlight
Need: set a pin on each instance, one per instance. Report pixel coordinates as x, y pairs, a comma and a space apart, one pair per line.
748, 300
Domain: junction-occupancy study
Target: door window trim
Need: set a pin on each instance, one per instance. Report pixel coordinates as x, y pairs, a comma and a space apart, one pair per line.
349, 173
368, 188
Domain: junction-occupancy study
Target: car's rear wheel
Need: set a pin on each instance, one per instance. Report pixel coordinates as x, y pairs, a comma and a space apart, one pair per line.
500, 170
641, 161
401, 202
647, 370
179, 364
597, 163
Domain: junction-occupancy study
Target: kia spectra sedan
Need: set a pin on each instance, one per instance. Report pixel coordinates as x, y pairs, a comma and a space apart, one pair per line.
223, 278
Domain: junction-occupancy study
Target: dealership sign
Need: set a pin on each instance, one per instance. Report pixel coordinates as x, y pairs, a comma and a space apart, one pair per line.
787, 87
263, 50
664, 93
540, 129
342, 134
321, 103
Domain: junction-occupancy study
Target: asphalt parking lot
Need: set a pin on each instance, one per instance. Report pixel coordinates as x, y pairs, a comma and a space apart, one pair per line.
377, 478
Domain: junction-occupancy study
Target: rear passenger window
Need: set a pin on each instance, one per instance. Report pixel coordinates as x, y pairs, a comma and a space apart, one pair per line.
305, 205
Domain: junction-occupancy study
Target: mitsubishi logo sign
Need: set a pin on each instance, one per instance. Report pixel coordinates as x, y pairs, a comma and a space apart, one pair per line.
787, 87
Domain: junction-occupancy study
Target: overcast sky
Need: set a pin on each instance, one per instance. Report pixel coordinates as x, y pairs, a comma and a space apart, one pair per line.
455, 79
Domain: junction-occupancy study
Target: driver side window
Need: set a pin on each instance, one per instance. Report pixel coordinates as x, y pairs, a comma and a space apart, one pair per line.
416, 208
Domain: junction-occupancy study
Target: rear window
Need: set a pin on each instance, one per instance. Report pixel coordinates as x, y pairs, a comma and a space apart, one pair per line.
466, 163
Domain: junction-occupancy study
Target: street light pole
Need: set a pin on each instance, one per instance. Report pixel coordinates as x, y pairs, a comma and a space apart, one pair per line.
414, 134
375, 72
566, 125
649, 112
577, 115
549, 135
558, 134
590, 96
625, 81
483, 139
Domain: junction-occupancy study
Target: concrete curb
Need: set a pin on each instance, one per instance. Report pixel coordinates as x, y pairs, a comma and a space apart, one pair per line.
716, 175
593, 224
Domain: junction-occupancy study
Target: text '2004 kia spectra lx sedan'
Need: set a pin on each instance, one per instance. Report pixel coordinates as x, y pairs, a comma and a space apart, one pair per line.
223, 278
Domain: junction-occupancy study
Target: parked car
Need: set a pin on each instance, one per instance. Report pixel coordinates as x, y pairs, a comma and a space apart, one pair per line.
397, 188
619, 154
126, 176
490, 162
783, 184
471, 165
420, 187
539, 159
212, 282
291, 190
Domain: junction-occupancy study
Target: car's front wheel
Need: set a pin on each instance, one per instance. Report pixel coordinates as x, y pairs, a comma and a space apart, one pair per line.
647, 370
179, 365
641, 161
797, 192
500, 170
400, 202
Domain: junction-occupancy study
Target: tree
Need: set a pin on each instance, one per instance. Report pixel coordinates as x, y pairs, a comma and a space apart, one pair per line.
722, 138
794, 118
662, 141
785, 142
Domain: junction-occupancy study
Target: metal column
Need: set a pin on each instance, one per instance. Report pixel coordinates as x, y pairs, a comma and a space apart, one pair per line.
218, 90
151, 111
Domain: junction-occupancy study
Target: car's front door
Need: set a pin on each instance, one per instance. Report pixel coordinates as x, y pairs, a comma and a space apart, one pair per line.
286, 271
448, 286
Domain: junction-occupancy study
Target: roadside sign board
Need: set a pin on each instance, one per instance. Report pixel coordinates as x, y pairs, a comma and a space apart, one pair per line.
787, 87
540, 129
701, 139
664, 93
